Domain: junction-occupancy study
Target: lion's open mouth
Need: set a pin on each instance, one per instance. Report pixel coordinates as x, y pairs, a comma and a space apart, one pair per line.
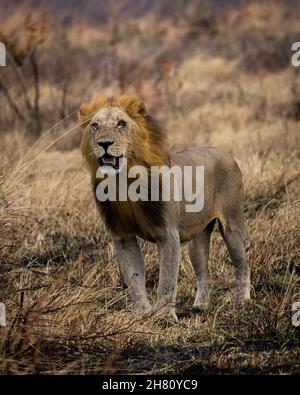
109, 160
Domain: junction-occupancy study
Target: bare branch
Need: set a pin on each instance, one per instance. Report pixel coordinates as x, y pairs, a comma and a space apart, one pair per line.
21, 80
10, 101
36, 76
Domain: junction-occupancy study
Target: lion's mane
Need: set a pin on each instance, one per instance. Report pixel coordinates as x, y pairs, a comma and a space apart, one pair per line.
149, 150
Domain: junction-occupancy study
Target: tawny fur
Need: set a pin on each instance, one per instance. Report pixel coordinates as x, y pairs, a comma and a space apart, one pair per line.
166, 223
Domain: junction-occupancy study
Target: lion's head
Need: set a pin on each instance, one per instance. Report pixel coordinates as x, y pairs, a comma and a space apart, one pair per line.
120, 128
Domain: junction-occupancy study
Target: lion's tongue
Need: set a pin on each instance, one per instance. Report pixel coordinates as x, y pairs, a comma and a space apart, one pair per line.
109, 161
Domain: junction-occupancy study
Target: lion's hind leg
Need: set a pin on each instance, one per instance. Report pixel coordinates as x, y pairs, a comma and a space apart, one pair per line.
199, 253
233, 234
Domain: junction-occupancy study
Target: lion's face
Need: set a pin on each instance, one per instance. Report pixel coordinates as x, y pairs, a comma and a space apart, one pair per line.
110, 132
117, 129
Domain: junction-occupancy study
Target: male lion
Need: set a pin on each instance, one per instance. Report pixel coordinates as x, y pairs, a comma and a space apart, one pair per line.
120, 128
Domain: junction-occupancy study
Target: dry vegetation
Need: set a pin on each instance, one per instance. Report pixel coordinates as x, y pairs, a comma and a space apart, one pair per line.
212, 78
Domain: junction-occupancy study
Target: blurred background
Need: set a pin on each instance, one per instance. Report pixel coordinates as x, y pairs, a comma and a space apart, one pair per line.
185, 58
214, 73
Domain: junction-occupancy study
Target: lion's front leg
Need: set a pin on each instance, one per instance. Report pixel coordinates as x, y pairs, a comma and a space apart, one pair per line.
169, 258
132, 268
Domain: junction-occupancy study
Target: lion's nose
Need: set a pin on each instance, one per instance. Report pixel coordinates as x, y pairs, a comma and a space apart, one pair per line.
105, 144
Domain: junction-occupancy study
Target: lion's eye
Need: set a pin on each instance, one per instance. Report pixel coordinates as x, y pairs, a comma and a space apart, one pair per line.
95, 126
121, 123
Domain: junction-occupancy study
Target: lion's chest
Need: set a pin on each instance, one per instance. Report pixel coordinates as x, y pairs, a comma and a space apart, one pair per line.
144, 219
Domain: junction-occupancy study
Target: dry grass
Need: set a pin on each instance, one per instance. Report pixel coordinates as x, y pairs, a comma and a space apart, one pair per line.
67, 310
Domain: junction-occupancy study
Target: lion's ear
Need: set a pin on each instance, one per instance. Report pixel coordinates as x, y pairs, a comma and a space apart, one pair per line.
141, 107
132, 105
84, 114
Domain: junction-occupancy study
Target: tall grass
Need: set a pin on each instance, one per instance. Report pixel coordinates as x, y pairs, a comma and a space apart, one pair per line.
67, 309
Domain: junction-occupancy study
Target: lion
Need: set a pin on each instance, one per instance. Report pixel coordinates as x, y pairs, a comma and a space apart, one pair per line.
121, 128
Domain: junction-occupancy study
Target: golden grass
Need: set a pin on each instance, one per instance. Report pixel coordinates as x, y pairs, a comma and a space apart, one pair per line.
67, 309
